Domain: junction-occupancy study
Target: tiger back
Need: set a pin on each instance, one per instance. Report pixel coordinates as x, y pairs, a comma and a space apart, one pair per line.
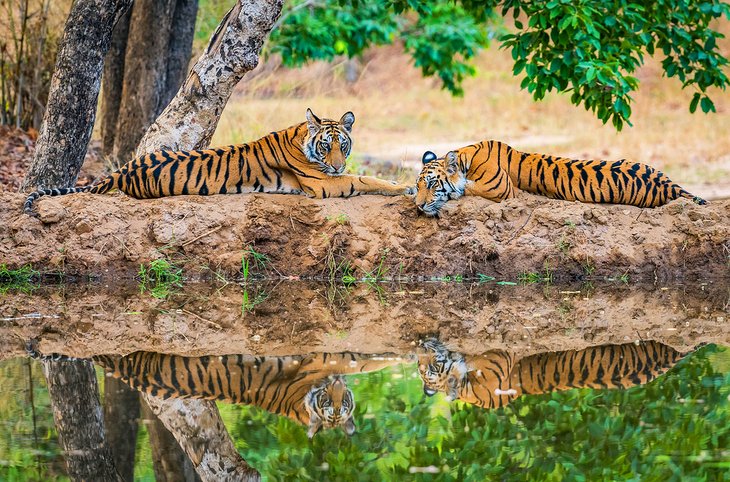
308, 158
496, 378
496, 171
309, 389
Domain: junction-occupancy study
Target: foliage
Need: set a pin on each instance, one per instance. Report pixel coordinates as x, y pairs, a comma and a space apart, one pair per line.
590, 49
441, 36
29, 448
675, 428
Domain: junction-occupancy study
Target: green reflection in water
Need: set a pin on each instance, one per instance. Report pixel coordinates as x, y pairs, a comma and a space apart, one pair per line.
674, 428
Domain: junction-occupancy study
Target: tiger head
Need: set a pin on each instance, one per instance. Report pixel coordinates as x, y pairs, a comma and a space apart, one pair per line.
441, 370
328, 144
441, 179
330, 404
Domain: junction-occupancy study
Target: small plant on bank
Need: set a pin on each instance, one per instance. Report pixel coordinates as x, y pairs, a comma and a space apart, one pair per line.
252, 260
379, 273
160, 278
341, 219
482, 278
531, 277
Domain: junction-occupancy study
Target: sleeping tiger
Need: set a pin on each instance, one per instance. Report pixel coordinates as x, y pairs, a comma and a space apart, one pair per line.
496, 378
308, 158
309, 389
494, 170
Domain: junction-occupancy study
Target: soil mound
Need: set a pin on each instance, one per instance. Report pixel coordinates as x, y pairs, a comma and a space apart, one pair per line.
111, 235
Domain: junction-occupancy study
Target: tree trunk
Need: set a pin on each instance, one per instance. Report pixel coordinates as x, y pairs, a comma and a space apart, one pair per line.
154, 66
77, 413
112, 81
188, 122
71, 108
190, 119
171, 464
121, 408
180, 48
198, 428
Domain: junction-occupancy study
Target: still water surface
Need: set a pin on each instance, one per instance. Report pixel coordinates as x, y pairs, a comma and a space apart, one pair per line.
573, 402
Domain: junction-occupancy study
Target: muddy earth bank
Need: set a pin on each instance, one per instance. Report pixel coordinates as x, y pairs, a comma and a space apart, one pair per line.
109, 236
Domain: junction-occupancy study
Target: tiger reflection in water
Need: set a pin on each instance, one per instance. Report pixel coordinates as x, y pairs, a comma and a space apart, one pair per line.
309, 389
496, 378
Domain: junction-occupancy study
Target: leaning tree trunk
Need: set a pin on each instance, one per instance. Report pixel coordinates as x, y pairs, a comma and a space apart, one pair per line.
71, 108
154, 67
169, 461
188, 122
199, 429
190, 119
74, 396
121, 413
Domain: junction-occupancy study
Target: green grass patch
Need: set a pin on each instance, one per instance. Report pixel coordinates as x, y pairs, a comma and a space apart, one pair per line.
19, 279
160, 278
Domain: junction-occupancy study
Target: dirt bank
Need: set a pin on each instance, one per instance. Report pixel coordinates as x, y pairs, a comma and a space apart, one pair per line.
110, 235
300, 317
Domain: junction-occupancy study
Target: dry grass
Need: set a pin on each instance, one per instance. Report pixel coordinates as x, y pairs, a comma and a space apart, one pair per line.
400, 114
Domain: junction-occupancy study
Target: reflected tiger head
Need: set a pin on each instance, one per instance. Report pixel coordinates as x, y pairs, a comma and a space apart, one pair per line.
328, 144
441, 179
330, 404
441, 370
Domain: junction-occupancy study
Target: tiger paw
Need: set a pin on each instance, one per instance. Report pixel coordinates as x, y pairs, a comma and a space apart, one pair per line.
410, 191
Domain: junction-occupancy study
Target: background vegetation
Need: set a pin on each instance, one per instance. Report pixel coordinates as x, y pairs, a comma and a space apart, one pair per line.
675, 428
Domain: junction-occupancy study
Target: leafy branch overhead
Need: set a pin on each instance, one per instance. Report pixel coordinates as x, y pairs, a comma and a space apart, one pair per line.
589, 48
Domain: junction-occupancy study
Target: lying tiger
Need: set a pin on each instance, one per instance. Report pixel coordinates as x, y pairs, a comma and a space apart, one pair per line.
496, 378
309, 389
308, 158
496, 171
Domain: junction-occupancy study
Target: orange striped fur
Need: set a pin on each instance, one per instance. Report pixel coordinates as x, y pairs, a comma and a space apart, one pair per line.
308, 158
496, 378
496, 171
309, 389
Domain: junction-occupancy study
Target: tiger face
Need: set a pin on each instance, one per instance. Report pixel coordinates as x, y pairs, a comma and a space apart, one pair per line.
441, 179
328, 144
440, 369
330, 404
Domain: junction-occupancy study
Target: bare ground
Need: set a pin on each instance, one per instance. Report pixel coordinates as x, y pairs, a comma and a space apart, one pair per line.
302, 317
109, 236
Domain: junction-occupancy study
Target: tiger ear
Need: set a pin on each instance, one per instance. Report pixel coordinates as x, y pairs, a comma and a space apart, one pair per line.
349, 426
347, 120
452, 162
315, 423
313, 122
428, 156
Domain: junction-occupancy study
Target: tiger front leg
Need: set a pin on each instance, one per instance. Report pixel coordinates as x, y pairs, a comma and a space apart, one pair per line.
499, 189
348, 185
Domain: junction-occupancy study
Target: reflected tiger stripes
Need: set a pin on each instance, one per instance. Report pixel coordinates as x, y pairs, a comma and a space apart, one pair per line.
496, 378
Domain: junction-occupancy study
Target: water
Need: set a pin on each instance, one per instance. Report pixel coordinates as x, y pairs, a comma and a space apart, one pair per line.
437, 381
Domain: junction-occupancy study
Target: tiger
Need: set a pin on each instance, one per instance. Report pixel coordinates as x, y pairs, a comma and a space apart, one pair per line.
496, 171
309, 389
496, 378
308, 158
